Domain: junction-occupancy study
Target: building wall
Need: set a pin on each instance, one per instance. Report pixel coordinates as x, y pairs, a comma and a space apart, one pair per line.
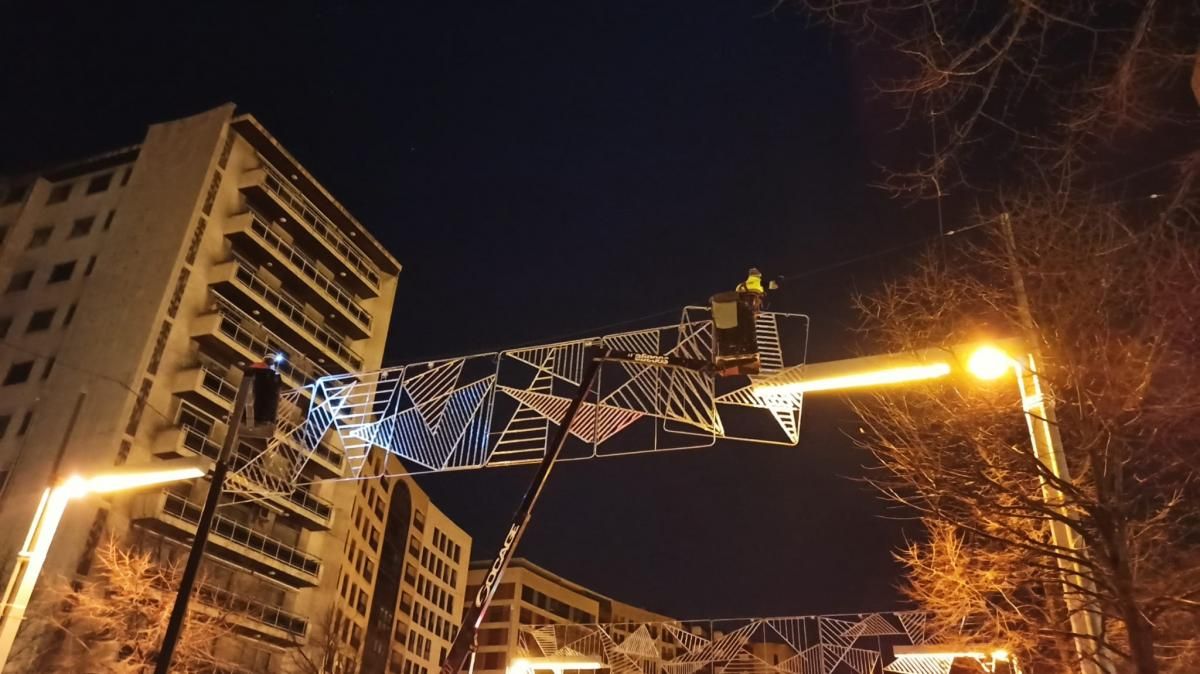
145, 355
531, 595
399, 603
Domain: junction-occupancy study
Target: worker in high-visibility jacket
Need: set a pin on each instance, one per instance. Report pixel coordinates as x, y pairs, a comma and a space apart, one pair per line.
753, 282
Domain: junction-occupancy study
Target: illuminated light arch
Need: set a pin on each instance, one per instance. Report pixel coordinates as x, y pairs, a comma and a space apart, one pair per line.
500, 408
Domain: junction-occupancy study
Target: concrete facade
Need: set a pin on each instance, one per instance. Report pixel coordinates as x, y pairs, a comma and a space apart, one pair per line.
133, 287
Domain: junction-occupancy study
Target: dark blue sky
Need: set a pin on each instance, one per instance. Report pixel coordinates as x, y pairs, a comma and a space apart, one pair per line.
540, 168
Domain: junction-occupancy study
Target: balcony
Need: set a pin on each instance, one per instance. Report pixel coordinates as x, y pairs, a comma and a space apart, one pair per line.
275, 194
238, 278
231, 331
281, 254
325, 462
302, 506
175, 516
205, 388
253, 617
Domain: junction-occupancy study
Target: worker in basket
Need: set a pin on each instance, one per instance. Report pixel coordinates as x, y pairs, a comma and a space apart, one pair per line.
734, 314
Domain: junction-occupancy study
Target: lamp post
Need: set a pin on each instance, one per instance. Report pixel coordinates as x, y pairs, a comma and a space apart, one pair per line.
45, 523
263, 380
987, 362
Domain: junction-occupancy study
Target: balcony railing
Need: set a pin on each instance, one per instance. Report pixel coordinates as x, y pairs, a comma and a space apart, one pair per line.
291, 308
260, 612
232, 325
308, 268
283, 189
244, 536
197, 441
217, 385
313, 504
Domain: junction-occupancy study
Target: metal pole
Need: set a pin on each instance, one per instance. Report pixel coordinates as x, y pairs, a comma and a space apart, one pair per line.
32, 555
1086, 622
196, 554
463, 646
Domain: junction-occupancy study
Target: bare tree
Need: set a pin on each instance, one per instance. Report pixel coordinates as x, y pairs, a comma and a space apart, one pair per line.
1024, 83
113, 623
322, 648
1115, 296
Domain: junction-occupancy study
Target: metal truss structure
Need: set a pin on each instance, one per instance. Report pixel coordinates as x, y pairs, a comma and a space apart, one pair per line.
860, 643
500, 408
849, 644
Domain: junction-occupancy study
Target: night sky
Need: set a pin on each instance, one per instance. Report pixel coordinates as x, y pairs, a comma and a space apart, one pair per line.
543, 168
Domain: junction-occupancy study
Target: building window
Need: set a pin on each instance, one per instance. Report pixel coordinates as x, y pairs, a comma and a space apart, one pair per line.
5, 326
419, 520
49, 368
59, 193
108, 220
20, 281
99, 183
61, 272
25, 423
211, 197
81, 227
4, 232
91, 264
40, 237
70, 316
40, 320
5, 419
18, 373
223, 160
125, 176
197, 238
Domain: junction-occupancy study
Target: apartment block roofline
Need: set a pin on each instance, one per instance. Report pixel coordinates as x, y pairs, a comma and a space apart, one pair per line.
77, 167
253, 131
527, 565
523, 563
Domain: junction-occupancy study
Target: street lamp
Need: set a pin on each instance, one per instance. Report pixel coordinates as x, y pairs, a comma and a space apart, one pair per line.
45, 523
554, 663
988, 361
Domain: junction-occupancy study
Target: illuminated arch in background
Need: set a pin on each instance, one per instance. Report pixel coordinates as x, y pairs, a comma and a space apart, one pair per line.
500, 408
856, 643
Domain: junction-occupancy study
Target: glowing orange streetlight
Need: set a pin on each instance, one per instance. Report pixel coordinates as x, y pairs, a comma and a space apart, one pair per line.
554, 663
46, 519
987, 361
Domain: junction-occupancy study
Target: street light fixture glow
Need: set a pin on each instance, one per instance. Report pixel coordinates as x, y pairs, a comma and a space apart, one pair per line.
891, 375
556, 663
111, 482
989, 362
46, 519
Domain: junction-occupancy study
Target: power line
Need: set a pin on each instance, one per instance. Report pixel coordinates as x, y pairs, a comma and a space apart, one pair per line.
86, 371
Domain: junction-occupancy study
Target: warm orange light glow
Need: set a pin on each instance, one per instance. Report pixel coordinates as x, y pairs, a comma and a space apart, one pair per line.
46, 519
1000, 655
556, 663
106, 483
942, 655
988, 363
891, 375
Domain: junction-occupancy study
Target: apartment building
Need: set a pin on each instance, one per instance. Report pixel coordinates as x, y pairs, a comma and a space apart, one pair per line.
134, 285
409, 612
531, 595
